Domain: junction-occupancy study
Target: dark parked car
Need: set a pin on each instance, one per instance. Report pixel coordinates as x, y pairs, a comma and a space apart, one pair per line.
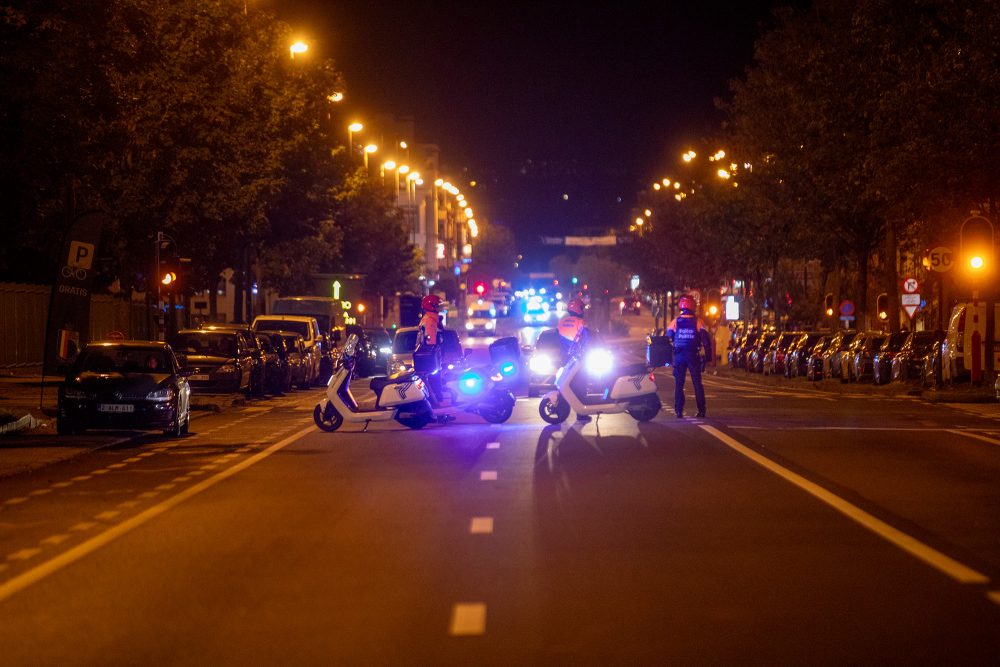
381, 341
797, 359
755, 355
931, 371
832, 365
298, 358
746, 342
221, 361
814, 366
774, 358
125, 384
257, 375
882, 363
908, 364
275, 371
857, 361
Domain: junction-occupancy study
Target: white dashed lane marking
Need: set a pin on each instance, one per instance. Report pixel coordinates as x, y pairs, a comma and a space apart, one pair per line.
468, 619
481, 525
487, 475
493, 445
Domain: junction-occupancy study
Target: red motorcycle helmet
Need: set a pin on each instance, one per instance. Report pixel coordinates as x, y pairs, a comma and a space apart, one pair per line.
430, 303
686, 302
575, 307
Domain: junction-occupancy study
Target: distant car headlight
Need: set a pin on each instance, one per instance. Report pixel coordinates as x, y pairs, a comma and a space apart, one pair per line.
74, 394
161, 395
543, 317
468, 326
598, 362
527, 317
385, 350
541, 364
489, 325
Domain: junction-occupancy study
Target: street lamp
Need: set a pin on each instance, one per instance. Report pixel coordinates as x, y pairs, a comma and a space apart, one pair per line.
298, 48
370, 148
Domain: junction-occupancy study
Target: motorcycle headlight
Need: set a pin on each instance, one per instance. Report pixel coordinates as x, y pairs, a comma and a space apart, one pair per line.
541, 364
598, 362
161, 395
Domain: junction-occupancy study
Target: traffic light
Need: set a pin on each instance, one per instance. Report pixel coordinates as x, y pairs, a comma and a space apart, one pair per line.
170, 268
882, 306
479, 287
828, 304
977, 244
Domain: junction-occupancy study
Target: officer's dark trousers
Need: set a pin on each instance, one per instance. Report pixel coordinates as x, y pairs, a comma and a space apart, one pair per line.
683, 364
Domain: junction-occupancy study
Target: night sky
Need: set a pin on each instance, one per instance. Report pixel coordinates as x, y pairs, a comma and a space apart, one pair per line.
545, 99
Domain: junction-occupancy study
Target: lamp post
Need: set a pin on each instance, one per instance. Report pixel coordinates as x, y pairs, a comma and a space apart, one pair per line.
298, 47
370, 148
351, 129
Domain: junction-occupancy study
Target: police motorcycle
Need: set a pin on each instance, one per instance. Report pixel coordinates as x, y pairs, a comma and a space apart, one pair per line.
632, 390
483, 390
402, 397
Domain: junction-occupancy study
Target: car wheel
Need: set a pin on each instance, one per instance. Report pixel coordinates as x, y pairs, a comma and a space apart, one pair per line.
65, 427
175, 430
187, 423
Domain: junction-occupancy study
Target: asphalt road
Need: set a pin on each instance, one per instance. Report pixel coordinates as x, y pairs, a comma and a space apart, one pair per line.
790, 527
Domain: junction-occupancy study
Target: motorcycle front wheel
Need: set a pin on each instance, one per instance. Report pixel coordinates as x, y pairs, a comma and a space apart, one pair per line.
499, 410
418, 419
327, 419
553, 412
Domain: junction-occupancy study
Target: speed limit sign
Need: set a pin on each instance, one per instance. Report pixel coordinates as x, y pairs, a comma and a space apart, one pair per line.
940, 259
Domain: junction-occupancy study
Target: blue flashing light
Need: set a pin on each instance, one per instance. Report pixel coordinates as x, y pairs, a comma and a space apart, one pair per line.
470, 383
508, 368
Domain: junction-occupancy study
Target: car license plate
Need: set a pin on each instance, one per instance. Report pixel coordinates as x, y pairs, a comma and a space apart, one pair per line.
115, 407
199, 377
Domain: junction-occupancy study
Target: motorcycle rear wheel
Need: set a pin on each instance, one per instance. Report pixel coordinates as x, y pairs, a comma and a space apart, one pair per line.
644, 409
328, 420
553, 412
498, 412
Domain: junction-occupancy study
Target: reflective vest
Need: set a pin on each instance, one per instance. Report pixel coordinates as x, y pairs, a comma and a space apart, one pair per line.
429, 329
685, 331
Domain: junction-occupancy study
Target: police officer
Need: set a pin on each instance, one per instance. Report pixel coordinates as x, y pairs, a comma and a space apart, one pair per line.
572, 327
688, 334
427, 356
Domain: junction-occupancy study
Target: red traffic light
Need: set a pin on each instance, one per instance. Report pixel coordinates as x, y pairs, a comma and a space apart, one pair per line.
480, 288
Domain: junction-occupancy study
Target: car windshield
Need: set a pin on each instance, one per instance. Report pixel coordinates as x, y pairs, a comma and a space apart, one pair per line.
486, 314
111, 359
301, 328
210, 344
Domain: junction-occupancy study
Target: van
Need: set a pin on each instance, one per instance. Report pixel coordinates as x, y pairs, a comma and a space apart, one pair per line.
305, 326
325, 309
966, 326
482, 319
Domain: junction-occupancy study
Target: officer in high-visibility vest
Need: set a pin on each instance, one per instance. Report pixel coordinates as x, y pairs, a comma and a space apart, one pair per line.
572, 327
688, 334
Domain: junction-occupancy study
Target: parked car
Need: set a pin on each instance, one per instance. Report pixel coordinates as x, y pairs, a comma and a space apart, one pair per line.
746, 342
931, 375
257, 378
817, 356
298, 359
275, 372
405, 342
125, 384
307, 327
221, 361
882, 362
366, 352
283, 380
908, 363
856, 361
774, 357
382, 345
797, 359
834, 351
755, 356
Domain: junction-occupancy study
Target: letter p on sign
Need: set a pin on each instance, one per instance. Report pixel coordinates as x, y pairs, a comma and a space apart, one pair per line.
81, 255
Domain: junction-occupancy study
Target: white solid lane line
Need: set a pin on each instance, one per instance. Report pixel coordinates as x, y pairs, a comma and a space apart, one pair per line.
35, 574
939, 561
468, 618
481, 525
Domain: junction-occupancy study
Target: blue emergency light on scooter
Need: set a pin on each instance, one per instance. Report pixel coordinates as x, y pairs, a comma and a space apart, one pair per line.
470, 383
508, 369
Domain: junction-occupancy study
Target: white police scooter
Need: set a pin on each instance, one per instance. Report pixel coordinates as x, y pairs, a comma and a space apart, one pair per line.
634, 392
403, 397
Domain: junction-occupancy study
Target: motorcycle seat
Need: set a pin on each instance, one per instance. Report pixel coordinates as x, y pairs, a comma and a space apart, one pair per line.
380, 382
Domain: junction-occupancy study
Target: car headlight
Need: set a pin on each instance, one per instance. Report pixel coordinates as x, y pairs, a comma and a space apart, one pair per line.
489, 325
527, 317
541, 364
598, 362
385, 350
74, 394
543, 317
161, 395
468, 326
